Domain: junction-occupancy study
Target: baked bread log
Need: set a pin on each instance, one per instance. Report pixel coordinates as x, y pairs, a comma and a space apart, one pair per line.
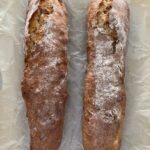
44, 87
104, 100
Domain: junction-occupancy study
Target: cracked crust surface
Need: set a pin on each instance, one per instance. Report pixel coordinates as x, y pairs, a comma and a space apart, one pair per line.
104, 100
44, 86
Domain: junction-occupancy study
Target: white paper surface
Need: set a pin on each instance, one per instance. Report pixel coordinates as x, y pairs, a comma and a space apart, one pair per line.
13, 129
72, 139
137, 122
14, 134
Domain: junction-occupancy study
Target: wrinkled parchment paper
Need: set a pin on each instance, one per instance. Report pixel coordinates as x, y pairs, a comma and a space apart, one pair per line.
136, 134
14, 132
13, 124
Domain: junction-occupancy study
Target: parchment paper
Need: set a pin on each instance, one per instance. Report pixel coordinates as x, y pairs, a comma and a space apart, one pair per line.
14, 132
136, 134
13, 123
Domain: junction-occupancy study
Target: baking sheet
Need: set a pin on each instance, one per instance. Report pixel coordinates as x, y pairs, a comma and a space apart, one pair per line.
14, 133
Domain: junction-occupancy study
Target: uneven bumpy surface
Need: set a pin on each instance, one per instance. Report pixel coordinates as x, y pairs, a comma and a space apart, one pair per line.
104, 101
44, 87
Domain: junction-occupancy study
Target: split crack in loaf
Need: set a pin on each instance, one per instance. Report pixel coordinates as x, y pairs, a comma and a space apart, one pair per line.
104, 98
103, 21
44, 86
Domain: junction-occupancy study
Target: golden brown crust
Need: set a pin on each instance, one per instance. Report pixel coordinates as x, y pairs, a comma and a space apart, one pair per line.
44, 86
104, 100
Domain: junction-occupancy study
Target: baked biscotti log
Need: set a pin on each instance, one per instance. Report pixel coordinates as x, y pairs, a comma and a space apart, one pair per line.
104, 100
44, 87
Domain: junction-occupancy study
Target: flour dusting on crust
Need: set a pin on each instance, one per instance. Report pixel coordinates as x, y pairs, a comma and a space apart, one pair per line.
44, 86
108, 23
108, 68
